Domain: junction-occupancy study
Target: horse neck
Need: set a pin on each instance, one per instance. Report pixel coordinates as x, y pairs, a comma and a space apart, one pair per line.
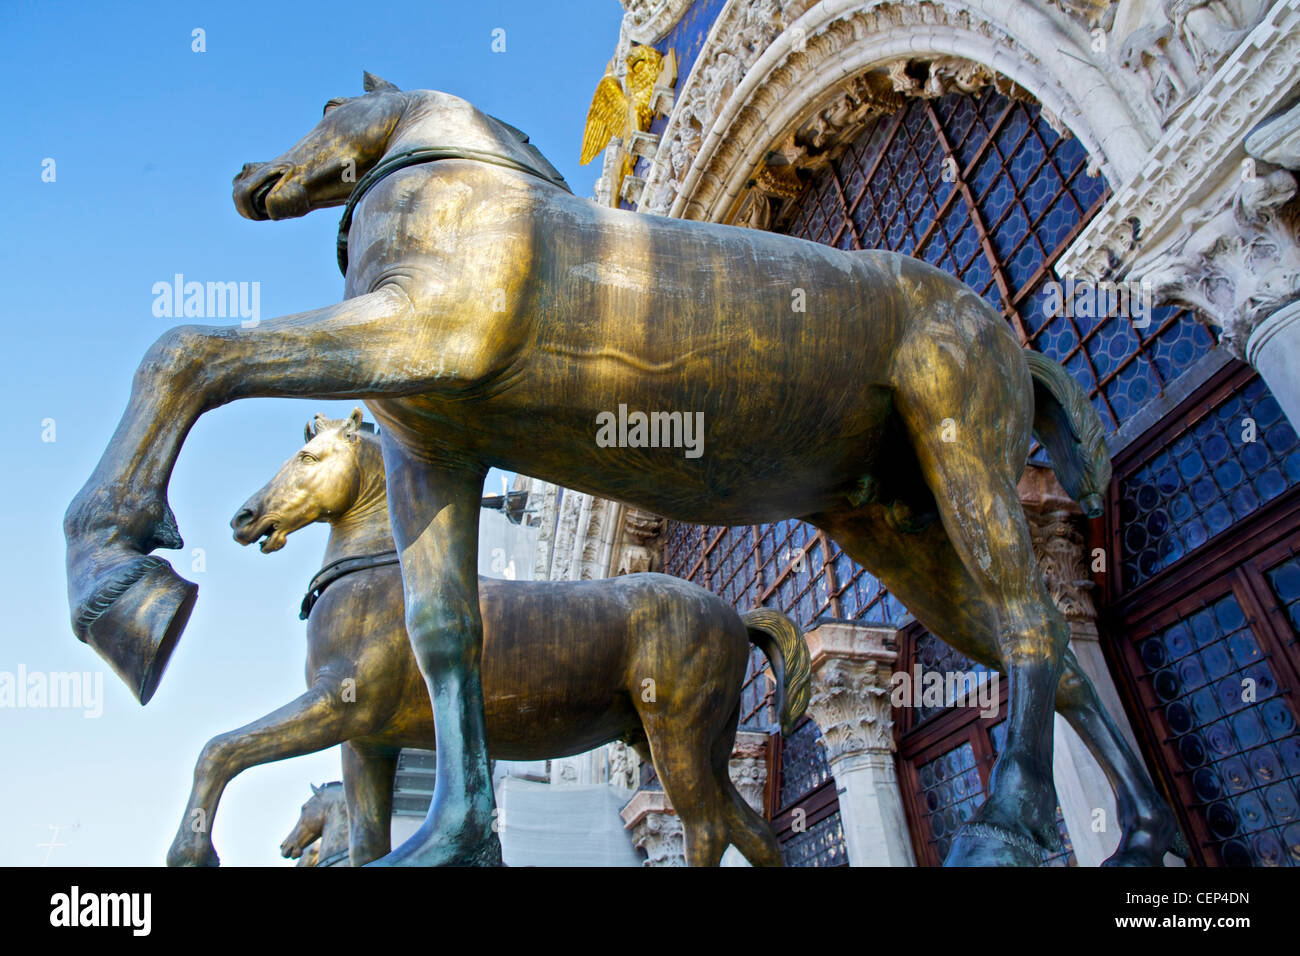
334, 834
434, 119
364, 528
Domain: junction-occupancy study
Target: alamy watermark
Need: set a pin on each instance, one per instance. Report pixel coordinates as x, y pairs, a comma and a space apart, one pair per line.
208, 300
922, 688
55, 690
651, 430
1086, 299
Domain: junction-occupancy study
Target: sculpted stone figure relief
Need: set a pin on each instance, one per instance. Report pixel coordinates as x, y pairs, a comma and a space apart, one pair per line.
490, 315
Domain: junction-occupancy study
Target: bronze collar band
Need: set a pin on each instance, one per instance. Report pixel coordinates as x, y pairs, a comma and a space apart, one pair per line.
414, 157
337, 569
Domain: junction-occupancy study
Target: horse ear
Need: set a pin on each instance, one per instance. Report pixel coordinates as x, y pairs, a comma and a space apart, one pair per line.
353, 425
374, 84
309, 431
315, 790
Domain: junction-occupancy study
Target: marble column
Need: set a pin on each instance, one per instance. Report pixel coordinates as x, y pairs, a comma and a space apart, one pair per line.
851, 667
748, 770
1086, 799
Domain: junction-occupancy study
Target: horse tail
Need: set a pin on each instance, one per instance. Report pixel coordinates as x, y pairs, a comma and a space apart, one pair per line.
783, 644
1070, 429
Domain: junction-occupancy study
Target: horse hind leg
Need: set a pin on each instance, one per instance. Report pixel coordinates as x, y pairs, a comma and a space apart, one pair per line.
680, 751
1148, 828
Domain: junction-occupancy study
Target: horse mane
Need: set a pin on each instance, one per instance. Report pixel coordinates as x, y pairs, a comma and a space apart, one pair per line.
535, 156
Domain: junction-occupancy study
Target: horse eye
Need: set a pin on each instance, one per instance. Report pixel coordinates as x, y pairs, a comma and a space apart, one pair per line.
309, 459
330, 105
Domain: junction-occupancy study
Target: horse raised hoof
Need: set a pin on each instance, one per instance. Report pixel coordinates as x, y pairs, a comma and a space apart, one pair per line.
132, 612
986, 844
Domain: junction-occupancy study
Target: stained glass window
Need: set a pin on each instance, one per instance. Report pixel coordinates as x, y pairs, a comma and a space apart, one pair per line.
1234, 732
1226, 466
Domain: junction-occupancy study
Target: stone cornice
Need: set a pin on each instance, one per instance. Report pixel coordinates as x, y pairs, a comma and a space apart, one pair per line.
1203, 141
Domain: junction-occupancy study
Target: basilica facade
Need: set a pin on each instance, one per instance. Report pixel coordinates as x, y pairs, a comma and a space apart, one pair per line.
1118, 180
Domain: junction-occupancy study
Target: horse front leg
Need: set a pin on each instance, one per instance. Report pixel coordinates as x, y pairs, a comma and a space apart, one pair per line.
132, 607
318, 719
434, 510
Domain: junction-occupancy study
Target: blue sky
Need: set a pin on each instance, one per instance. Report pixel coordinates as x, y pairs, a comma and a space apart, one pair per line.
146, 135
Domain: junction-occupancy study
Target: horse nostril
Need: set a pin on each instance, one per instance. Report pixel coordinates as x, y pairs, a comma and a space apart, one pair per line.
244, 516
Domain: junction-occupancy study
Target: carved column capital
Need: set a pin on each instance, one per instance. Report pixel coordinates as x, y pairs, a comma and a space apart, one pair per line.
851, 668
1237, 264
748, 767
1054, 527
655, 828
640, 542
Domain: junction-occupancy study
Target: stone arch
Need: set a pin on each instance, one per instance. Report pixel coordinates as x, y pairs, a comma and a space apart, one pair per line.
803, 62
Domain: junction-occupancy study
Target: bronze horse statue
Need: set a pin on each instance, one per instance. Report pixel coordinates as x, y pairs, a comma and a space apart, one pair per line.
320, 837
492, 318
567, 665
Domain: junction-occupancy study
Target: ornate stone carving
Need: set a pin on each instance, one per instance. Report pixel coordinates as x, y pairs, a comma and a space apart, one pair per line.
1183, 43
1162, 66
1236, 266
850, 703
1090, 13
1210, 29
640, 550
623, 765
1199, 144
648, 21
1058, 545
748, 767
655, 828
754, 86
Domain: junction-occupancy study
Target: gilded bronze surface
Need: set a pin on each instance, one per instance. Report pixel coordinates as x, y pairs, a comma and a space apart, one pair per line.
567, 665
488, 318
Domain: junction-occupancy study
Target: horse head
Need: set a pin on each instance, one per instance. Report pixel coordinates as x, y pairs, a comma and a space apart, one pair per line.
311, 820
321, 169
318, 483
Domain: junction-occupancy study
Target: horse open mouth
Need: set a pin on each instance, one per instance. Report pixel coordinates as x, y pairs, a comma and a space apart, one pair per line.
267, 532
257, 201
251, 195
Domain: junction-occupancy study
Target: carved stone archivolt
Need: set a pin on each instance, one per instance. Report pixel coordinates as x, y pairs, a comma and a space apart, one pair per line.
773, 76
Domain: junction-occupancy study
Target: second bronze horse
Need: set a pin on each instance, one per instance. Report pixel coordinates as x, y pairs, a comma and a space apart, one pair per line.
567, 666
